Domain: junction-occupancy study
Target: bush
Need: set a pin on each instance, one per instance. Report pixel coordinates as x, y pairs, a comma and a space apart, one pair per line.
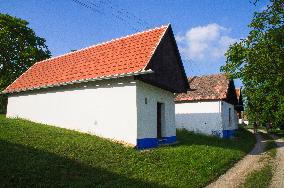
3, 104
282, 126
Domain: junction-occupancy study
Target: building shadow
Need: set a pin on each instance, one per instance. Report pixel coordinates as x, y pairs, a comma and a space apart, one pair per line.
243, 141
279, 139
23, 166
280, 144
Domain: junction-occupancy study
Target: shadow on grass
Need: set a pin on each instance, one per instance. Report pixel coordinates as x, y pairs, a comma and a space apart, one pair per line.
243, 141
22, 166
279, 133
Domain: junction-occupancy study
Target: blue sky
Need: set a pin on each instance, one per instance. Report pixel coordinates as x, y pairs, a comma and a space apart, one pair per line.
203, 28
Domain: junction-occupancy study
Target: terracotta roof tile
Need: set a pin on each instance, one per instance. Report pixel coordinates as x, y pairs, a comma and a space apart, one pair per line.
125, 55
209, 87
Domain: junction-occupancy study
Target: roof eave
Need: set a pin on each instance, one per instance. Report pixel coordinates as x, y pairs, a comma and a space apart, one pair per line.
184, 100
149, 71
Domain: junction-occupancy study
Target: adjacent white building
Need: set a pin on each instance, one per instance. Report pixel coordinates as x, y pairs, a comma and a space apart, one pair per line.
122, 89
208, 107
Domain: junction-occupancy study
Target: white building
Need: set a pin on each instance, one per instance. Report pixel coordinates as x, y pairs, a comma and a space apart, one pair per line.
208, 107
122, 89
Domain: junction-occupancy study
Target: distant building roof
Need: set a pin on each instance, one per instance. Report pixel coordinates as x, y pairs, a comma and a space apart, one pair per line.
119, 57
240, 105
209, 87
238, 92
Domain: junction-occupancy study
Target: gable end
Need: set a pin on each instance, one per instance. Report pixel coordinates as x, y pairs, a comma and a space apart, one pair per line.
166, 63
231, 94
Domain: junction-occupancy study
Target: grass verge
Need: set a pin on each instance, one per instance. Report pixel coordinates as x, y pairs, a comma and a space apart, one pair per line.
261, 178
36, 155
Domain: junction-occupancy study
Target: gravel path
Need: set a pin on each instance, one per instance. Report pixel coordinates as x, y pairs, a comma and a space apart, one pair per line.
278, 174
235, 176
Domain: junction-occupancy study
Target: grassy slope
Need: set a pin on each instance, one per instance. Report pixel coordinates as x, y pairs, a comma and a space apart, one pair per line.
34, 154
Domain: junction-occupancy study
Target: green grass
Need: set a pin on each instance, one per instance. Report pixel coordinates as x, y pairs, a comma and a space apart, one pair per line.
271, 148
261, 178
44, 156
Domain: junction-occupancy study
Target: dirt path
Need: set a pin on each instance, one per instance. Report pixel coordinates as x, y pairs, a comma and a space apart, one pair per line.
235, 176
278, 174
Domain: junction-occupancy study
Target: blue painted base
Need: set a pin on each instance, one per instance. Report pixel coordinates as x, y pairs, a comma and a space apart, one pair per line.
146, 143
168, 140
228, 133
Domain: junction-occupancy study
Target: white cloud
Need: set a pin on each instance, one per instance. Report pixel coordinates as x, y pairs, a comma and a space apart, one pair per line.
210, 41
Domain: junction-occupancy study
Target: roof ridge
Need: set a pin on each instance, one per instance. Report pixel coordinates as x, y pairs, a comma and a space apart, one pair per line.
191, 79
103, 43
203, 75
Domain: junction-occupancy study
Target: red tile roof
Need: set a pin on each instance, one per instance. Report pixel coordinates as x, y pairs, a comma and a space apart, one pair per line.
240, 103
118, 57
209, 87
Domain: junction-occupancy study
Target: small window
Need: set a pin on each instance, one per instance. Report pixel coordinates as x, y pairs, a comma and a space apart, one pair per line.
146, 100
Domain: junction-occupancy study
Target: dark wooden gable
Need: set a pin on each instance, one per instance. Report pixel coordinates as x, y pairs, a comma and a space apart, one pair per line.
169, 73
231, 94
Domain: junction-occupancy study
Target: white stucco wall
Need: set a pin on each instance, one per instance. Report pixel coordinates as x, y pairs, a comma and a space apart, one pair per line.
105, 108
202, 117
147, 113
232, 122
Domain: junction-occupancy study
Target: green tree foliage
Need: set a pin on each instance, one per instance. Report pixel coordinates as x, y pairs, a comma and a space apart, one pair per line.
20, 48
258, 61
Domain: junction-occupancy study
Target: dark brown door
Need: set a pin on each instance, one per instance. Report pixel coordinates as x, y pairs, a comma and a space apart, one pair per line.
159, 120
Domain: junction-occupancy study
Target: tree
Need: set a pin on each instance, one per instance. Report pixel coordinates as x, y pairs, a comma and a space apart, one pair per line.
258, 61
20, 48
